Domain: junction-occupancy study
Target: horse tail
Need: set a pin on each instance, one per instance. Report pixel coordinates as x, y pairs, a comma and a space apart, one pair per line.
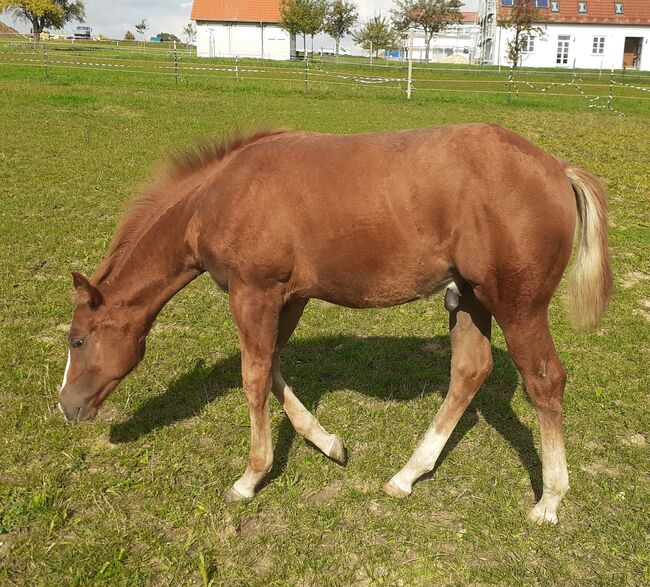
590, 283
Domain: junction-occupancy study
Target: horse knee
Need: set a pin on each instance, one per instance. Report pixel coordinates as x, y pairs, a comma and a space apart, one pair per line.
545, 385
474, 368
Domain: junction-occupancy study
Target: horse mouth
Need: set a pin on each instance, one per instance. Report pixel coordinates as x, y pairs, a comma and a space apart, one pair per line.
81, 414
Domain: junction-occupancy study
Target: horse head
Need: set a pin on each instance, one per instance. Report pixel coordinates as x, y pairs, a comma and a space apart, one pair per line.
105, 345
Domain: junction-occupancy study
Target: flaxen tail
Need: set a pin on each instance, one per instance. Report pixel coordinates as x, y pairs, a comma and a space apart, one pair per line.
590, 282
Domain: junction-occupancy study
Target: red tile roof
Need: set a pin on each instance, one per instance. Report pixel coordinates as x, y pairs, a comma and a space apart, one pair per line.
236, 10
598, 12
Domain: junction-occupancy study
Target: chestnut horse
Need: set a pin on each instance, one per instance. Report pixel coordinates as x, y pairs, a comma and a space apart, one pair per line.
364, 221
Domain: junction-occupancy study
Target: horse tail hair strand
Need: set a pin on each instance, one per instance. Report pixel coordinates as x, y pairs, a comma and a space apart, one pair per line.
590, 283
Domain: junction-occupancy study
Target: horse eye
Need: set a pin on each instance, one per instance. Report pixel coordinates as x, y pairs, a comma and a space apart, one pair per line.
76, 343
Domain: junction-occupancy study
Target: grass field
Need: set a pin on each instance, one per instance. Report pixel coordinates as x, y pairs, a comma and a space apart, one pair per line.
564, 88
134, 498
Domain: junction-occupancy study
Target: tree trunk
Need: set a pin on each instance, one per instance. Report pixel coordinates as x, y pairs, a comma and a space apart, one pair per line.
37, 29
517, 49
427, 46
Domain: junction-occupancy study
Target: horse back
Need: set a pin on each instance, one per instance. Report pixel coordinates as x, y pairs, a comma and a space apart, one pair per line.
383, 218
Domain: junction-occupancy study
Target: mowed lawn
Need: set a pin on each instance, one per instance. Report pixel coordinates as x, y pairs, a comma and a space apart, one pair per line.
134, 498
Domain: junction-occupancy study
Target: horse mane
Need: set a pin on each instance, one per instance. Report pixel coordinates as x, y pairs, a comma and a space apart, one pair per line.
156, 198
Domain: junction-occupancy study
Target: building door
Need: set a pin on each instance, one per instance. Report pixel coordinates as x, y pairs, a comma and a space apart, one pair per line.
562, 57
632, 52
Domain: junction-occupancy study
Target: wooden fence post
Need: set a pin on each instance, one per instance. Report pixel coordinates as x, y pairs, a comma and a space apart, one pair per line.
409, 83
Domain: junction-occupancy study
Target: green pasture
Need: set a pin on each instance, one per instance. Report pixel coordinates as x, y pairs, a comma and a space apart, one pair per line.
134, 498
103, 61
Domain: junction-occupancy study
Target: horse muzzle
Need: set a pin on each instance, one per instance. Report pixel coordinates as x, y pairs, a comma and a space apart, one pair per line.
77, 411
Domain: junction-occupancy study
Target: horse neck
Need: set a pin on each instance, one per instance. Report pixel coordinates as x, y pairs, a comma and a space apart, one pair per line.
154, 268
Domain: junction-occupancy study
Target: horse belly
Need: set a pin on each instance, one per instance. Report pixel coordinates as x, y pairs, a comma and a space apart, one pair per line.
365, 280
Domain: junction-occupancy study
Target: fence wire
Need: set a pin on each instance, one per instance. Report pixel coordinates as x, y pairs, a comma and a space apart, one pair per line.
455, 80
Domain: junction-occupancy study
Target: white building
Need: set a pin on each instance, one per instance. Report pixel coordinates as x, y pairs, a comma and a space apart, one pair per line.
241, 28
589, 34
456, 44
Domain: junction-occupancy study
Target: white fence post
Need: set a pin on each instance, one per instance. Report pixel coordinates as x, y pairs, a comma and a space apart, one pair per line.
409, 83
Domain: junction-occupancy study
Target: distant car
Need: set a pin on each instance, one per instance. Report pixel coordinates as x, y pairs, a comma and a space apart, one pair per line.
82, 32
155, 40
332, 51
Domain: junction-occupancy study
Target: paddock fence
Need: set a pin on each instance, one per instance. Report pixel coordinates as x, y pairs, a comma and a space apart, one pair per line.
609, 90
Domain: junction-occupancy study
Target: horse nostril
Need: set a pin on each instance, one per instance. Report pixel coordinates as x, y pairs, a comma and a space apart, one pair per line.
71, 413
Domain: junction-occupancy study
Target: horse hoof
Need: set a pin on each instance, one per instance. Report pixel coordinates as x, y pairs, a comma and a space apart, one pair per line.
337, 451
394, 491
542, 516
233, 495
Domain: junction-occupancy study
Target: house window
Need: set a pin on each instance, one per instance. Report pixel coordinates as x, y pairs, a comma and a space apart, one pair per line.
618, 8
562, 57
598, 47
582, 7
527, 43
506, 2
541, 3
555, 7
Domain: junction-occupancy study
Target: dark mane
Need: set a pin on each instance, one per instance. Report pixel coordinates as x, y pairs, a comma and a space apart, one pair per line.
156, 199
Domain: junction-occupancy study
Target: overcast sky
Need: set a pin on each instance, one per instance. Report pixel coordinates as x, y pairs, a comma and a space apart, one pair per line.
114, 17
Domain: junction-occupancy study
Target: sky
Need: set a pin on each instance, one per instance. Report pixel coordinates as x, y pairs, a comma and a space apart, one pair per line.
114, 17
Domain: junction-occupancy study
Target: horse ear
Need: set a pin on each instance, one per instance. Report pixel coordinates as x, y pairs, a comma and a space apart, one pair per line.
85, 292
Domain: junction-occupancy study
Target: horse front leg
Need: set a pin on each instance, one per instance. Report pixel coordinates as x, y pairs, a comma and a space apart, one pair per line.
304, 422
256, 315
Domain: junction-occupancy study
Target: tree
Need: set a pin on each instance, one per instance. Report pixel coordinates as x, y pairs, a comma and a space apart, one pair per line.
431, 16
44, 14
168, 37
129, 36
190, 33
142, 28
340, 18
303, 17
523, 18
375, 34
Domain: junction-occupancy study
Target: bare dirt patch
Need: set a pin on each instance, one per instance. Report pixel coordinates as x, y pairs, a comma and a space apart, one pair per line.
436, 347
644, 310
249, 527
324, 495
633, 278
637, 440
599, 469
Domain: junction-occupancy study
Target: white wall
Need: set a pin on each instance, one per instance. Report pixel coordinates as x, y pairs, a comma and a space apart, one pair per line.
214, 39
457, 41
580, 46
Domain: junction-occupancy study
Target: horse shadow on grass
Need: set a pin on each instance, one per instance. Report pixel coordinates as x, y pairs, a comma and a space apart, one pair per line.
385, 368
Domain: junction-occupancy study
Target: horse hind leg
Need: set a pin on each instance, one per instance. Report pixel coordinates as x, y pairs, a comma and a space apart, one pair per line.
531, 348
471, 362
304, 422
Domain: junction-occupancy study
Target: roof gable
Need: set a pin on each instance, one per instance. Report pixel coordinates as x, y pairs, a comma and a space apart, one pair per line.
236, 10
598, 12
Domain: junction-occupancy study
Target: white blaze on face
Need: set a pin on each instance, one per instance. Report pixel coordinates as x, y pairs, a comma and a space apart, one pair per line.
65, 374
